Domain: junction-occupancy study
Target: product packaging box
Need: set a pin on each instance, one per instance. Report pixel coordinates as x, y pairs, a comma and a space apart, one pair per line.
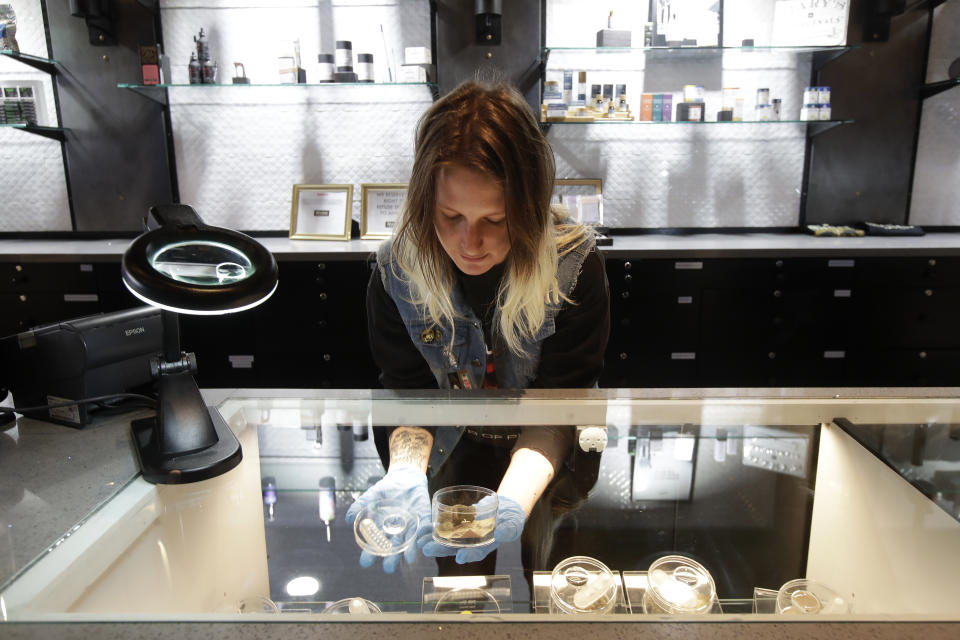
667, 115
417, 55
646, 107
613, 38
657, 107
149, 64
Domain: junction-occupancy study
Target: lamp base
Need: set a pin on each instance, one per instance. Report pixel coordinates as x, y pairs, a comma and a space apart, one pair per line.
212, 461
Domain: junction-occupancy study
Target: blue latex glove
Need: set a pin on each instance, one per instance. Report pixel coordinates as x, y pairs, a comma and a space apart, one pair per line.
510, 521
406, 484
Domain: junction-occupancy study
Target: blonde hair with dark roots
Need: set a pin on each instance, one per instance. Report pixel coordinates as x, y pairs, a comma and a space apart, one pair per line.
487, 127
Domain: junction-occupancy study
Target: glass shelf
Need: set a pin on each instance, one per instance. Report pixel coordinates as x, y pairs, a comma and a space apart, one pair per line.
821, 55
814, 127
43, 64
706, 50
55, 133
682, 122
153, 91
124, 85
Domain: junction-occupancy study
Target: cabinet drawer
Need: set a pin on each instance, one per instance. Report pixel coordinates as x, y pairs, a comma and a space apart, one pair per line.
774, 367
906, 367
654, 368
897, 317
781, 272
46, 276
739, 318
920, 270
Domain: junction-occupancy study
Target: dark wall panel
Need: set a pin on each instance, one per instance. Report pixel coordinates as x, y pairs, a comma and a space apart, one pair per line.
863, 171
116, 148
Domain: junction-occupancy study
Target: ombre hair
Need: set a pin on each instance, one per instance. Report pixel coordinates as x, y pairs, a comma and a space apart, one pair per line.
487, 127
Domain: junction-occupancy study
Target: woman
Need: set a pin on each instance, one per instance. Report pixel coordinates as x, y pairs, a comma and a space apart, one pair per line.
483, 285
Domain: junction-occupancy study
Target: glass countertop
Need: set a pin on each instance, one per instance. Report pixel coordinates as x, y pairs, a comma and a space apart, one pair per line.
759, 487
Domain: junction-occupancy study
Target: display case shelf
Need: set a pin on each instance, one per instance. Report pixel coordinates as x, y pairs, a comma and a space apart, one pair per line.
43, 64
54, 133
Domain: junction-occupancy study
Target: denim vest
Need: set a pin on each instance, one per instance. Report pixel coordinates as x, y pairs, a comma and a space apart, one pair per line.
463, 364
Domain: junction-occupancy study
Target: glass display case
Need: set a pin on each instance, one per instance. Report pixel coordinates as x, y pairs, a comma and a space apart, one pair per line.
701, 506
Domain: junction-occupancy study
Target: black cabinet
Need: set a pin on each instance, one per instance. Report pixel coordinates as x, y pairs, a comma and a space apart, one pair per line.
712, 322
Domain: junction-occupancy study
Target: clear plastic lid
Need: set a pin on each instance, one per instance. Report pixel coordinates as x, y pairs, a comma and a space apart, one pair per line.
580, 584
385, 528
809, 597
352, 606
676, 584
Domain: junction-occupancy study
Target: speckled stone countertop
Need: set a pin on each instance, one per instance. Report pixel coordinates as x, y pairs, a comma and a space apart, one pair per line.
52, 477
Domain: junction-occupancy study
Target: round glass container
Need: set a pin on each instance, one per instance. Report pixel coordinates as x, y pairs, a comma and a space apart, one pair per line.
808, 597
582, 585
385, 528
352, 606
467, 601
676, 584
464, 516
257, 604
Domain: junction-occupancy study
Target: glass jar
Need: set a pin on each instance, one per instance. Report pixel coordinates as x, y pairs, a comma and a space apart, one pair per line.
464, 516
582, 585
676, 584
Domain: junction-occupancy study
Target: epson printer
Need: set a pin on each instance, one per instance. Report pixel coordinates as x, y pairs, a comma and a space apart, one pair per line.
98, 355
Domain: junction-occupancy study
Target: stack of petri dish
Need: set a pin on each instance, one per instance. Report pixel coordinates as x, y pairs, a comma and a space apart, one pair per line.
582, 585
678, 585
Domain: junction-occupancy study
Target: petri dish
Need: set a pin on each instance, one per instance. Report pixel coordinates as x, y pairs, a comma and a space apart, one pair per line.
467, 601
256, 604
464, 516
809, 597
385, 528
677, 584
582, 585
352, 606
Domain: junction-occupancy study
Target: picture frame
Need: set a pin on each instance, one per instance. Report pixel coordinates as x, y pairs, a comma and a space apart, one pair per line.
321, 211
583, 198
380, 208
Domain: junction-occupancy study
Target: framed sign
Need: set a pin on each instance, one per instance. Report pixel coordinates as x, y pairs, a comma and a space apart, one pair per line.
380, 207
582, 197
321, 211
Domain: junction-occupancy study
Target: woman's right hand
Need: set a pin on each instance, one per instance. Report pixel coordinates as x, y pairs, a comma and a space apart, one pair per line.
406, 484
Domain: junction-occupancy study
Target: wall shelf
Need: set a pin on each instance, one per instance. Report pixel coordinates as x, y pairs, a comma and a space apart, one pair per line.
158, 92
43, 64
54, 133
932, 89
814, 128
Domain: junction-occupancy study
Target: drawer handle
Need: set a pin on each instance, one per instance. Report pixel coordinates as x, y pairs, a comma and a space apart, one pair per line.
683, 355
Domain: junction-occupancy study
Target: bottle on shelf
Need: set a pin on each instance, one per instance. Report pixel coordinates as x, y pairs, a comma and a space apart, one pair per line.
194, 69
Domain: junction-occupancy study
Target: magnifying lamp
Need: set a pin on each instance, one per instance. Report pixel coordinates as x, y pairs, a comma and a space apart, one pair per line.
185, 266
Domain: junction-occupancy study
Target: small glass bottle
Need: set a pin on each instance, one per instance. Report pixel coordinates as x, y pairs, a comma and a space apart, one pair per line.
194, 69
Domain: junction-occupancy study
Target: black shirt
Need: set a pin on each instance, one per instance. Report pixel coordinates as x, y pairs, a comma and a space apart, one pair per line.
571, 358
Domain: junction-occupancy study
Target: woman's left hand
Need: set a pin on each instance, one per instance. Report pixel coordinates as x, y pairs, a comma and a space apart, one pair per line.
510, 520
